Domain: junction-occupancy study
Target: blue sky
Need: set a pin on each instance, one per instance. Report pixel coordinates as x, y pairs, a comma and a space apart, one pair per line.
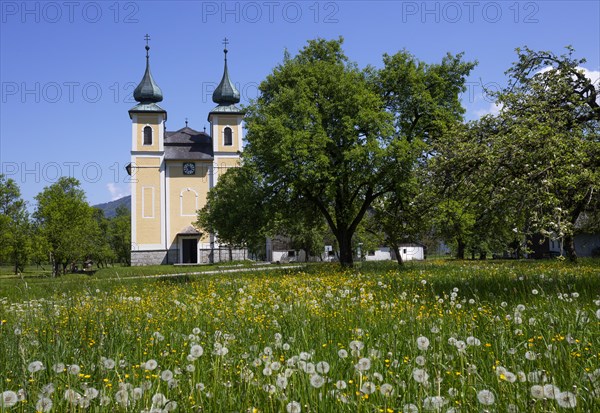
67, 69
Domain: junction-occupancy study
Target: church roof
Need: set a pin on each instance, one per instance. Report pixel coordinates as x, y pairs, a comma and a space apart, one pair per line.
226, 94
188, 144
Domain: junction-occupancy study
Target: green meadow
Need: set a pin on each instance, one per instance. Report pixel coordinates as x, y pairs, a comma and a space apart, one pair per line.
440, 336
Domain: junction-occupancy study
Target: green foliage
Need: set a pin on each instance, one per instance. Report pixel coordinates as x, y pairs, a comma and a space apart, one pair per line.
234, 210
16, 230
535, 166
120, 235
66, 222
339, 137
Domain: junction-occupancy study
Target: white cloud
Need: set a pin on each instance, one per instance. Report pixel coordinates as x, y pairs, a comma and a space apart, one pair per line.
116, 192
593, 75
493, 109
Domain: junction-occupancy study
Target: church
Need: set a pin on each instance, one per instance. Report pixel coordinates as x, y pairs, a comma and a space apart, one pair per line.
172, 172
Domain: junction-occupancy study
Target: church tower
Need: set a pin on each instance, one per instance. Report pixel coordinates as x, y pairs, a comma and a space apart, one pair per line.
172, 172
226, 124
147, 171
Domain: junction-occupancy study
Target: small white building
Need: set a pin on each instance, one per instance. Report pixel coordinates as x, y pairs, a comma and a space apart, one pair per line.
408, 252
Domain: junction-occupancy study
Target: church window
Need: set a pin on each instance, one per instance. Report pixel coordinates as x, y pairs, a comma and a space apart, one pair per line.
228, 141
147, 135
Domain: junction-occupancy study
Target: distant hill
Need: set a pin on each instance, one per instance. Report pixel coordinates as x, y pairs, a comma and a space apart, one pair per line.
110, 208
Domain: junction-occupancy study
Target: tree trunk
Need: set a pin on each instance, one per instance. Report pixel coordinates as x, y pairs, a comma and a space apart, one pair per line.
483, 255
398, 256
344, 239
230, 254
460, 252
569, 246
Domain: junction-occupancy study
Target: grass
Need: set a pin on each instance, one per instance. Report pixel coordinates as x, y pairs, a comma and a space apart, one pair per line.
274, 338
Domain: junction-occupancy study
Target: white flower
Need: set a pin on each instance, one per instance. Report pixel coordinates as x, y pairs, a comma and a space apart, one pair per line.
74, 369
293, 407
530, 355
150, 365
340, 385
363, 364
159, 400
423, 343
166, 375
48, 389
281, 381
317, 381
71, 396
137, 393
486, 397
510, 377
322, 367
566, 399
171, 406
551, 391
196, 350
44, 404
461, 345
108, 363
473, 341
356, 345
368, 387
410, 408
537, 391
122, 397
343, 353
420, 375
420, 360
91, 393
434, 403
35, 366
9, 398
386, 389
58, 367
309, 368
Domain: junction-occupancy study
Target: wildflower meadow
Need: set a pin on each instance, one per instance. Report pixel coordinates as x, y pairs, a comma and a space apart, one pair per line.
440, 336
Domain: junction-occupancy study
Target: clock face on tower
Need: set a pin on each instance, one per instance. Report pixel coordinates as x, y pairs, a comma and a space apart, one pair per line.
189, 168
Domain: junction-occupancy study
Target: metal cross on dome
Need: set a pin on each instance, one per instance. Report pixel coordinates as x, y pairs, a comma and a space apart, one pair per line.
225, 42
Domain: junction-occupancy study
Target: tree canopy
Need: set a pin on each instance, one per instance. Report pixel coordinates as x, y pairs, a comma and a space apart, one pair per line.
325, 131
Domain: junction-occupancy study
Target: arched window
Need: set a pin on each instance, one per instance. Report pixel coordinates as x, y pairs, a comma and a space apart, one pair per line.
147, 135
228, 140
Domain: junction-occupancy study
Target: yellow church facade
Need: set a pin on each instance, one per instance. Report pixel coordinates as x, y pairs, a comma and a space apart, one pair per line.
172, 172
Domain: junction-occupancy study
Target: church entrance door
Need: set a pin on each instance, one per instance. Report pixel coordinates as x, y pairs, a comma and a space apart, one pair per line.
190, 251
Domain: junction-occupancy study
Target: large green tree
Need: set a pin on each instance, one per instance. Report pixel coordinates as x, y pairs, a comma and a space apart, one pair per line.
120, 235
15, 226
551, 131
234, 210
66, 222
339, 137
537, 162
